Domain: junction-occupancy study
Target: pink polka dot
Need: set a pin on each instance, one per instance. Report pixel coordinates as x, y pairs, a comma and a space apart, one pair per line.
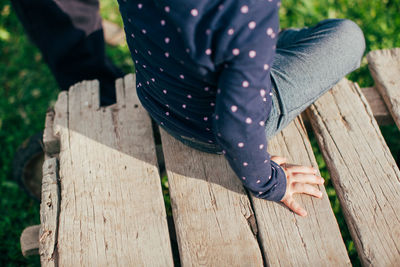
265, 161
144, 66
241, 144
252, 24
162, 22
189, 96
207, 129
167, 113
166, 54
184, 105
139, 5
149, 52
235, 51
181, 76
167, 9
206, 88
245, 84
187, 50
262, 123
218, 91
252, 53
166, 40
208, 51
194, 12
208, 31
270, 31
164, 91
270, 93
258, 181
216, 117
248, 120
265, 99
244, 178
144, 31
161, 69
245, 164
219, 134
261, 146
224, 151
205, 118
162, 123
231, 31
153, 80
262, 92
187, 118
133, 36
266, 67
234, 108
212, 104
244, 9
260, 193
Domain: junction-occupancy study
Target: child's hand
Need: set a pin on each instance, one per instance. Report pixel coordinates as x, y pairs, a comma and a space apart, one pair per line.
299, 180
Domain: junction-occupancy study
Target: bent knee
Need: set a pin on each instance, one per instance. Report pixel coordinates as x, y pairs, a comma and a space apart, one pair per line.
352, 37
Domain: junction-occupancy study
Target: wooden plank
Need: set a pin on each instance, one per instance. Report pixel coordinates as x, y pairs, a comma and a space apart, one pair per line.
30, 240
384, 66
213, 216
49, 212
363, 171
291, 240
51, 142
112, 208
378, 106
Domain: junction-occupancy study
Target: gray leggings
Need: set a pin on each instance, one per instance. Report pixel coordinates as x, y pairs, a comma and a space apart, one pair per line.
308, 62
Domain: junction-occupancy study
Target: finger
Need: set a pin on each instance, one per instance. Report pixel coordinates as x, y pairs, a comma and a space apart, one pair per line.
307, 178
300, 168
294, 206
306, 189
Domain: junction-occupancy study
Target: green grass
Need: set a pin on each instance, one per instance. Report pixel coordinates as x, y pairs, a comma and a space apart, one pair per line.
27, 88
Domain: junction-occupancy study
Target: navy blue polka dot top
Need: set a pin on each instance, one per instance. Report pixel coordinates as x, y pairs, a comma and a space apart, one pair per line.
203, 71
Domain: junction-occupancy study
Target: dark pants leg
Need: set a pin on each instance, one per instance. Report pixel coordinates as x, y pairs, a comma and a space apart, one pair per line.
70, 37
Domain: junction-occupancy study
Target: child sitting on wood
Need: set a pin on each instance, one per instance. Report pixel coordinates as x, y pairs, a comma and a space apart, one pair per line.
220, 77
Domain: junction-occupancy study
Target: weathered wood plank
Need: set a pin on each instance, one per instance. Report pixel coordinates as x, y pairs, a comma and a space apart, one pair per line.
213, 219
112, 209
30, 240
212, 213
50, 141
384, 66
378, 106
287, 238
49, 212
363, 171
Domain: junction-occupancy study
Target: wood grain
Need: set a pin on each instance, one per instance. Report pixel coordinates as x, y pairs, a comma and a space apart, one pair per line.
213, 215
213, 218
384, 66
363, 171
112, 209
49, 212
291, 240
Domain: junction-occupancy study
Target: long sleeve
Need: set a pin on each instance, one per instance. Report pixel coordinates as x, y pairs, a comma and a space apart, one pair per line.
243, 100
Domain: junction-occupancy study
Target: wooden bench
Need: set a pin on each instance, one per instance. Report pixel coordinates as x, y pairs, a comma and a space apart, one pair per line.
102, 201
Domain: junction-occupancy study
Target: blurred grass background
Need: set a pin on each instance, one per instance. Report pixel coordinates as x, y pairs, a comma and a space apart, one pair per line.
27, 88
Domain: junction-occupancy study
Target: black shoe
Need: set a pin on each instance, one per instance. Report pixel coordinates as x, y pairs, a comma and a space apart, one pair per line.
27, 165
